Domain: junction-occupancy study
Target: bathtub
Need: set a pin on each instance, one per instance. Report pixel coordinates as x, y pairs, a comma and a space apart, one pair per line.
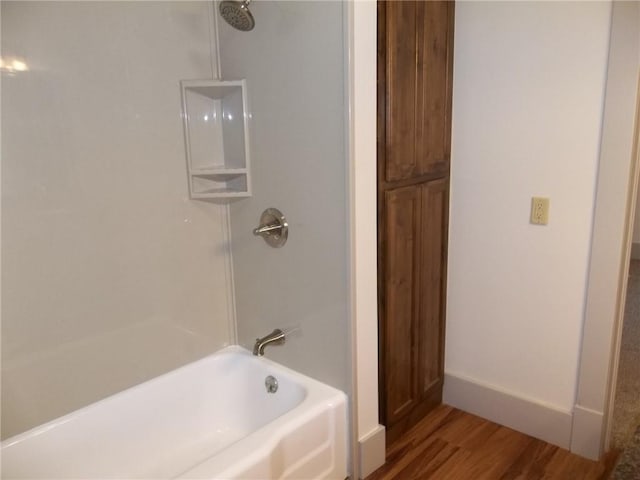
212, 419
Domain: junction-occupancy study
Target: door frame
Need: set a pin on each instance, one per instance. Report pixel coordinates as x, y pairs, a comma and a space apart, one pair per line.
369, 451
616, 191
622, 292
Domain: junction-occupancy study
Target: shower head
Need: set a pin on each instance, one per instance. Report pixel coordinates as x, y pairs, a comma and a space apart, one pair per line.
237, 14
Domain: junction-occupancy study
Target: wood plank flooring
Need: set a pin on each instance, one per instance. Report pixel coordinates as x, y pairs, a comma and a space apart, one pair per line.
450, 444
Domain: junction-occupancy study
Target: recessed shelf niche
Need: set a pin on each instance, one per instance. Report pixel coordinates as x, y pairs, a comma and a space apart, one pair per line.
216, 138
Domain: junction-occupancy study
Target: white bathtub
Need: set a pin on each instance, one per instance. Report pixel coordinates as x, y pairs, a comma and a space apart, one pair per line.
212, 419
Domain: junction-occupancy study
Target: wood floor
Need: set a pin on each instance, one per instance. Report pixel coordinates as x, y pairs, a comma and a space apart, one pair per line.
450, 444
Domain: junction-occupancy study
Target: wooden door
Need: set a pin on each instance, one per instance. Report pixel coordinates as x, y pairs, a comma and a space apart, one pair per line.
415, 61
414, 117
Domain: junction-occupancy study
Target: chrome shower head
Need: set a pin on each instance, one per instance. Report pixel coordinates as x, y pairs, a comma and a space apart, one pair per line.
237, 14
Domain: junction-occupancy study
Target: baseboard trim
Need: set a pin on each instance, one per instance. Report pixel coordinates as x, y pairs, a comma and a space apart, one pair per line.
522, 414
635, 251
372, 451
586, 435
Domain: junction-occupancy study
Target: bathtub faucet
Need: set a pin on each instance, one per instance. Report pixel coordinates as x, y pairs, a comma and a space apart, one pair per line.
276, 337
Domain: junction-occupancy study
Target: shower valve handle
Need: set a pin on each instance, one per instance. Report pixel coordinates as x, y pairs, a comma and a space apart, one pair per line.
273, 227
266, 230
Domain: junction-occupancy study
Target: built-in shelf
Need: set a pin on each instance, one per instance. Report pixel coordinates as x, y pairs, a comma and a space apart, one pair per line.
216, 138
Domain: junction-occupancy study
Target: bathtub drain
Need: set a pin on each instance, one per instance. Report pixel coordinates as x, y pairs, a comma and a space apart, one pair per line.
271, 384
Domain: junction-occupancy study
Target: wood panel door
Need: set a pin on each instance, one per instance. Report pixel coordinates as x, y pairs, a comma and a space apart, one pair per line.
415, 57
402, 227
413, 311
414, 132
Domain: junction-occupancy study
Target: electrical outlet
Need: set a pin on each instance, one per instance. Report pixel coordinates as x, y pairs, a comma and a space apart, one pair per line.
539, 210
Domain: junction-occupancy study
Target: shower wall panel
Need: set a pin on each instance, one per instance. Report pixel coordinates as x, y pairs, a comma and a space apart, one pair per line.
294, 63
110, 273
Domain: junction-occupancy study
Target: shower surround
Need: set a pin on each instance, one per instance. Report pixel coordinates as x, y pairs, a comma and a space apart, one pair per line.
112, 275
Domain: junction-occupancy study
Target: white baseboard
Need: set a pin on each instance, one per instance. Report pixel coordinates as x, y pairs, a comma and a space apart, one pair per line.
372, 451
524, 415
635, 251
586, 436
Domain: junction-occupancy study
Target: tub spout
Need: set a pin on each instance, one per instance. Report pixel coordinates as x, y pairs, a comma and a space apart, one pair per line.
276, 337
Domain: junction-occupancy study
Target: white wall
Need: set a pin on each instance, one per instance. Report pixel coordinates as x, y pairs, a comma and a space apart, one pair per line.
110, 274
295, 69
529, 81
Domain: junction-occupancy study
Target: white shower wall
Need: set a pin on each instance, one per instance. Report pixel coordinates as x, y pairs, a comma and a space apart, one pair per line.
110, 273
294, 65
